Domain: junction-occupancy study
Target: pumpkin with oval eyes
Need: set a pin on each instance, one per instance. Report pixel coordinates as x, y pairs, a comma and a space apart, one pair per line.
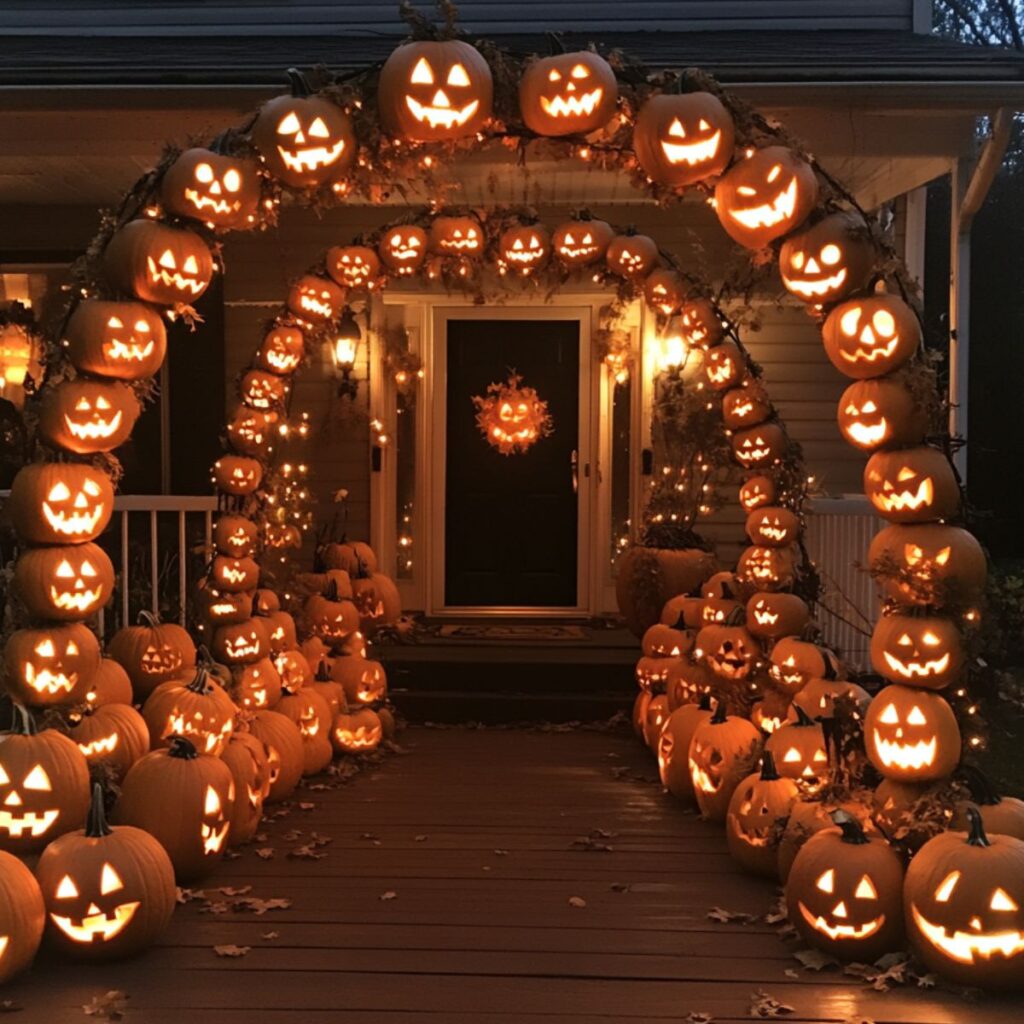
22, 916
237, 474
115, 735
158, 263
568, 93
525, 247
880, 413
88, 416
758, 808
680, 139
452, 235
723, 366
353, 266
314, 299
52, 665
917, 650
771, 616
871, 336
631, 255
581, 242
198, 709
282, 350
435, 91
60, 502
246, 757
828, 260
746, 405
674, 746
65, 583
109, 892
767, 568
759, 446
800, 750
773, 526
723, 750
765, 195
664, 290
962, 899
152, 652
845, 890
304, 139
281, 632
911, 734
124, 340
911, 485
756, 492
403, 248
216, 188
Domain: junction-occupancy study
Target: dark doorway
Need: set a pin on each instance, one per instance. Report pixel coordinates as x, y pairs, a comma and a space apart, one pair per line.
511, 520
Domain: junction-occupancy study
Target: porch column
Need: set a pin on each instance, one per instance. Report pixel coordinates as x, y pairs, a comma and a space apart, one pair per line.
959, 308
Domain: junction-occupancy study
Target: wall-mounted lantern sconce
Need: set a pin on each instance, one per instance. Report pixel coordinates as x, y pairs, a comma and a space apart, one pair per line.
345, 350
674, 351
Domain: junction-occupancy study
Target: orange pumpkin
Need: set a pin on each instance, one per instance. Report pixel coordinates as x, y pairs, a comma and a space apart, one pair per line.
683, 138
631, 255
88, 416
911, 485
581, 242
282, 350
403, 248
880, 413
158, 263
314, 299
567, 93
828, 260
353, 266
217, 188
52, 665
124, 340
64, 583
871, 336
60, 502
237, 474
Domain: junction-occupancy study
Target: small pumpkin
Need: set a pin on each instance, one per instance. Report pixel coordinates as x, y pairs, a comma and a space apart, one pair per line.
364, 681
314, 299
794, 662
767, 568
313, 718
220, 608
757, 811
263, 390
674, 746
800, 750
661, 641
655, 716
282, 350
524, 247
745, 405
723, 366
252, 431
152, 652
158, 263
257, 684
234, 575
403, 248
771, 616
773, 526
356, 732
819, 697
760, 446
109, 684
685, 682
330, 618
354, 267
757, 491
880, 413
631, 255
728, 650
242, 642
664, 290
236, 536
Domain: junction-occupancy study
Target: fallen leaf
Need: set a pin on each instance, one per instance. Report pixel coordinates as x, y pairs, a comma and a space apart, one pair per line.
790, 973
501, 853
577, 901
231, 855
389, 895
815, 959
111, 1005
230, 890
265, 853
698, 1018
306, 805
590, 844
293, 835
926, 980
307, 852
762, 1004
723, 916
421, 838
231, 950
321, 840
270, 935
619, 887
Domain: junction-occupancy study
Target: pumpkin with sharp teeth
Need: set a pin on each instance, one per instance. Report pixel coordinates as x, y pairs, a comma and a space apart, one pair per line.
157, 263
581, 242
683, 138
115, 735
330, 617
758, 808
60, 502
88, 416
773, 526
235, 536
233, 575
800, 750
871, 336
728, 650
281, 632
880, 413
700, 324
757, 492
435, 91
456, 236
767, 568
759, 446
403, 248
963, 897
22, 916
305, 140
51, 665
242, 642
765, 195
917, 650
185, 800
723, 366
911, 734
664, 290
631, 255
246, 757
124, 340
262, 390
237, 474
525, 247
152, 652
252, 431
911, 485
845, 891
674, 747
364, 681
356, 732
685, 682
314, 299
745, 406
199, 710
66, 583
354, 267
650, 673
280, 735
212, 187
770, 713
44, 786
828, 260
722, 752
568, 93
282, 350
771, 616
294, 669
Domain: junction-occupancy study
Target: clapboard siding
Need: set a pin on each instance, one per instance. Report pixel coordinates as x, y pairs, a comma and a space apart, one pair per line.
360, 17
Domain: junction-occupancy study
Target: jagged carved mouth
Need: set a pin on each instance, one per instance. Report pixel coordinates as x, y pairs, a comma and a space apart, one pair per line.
767, 215
898, 501
48, 682
213, 837
91, 430
310, 158
218, 206
573, 105
76, 601
35, 824
965, 947
282, 361
97, 926
918, 669
97, 748
809, 289
310, 304
72, 524
692, 153
870, 355
128, 351
868, 434
841, 931
702, 780
172, 279
894, 754
441, 117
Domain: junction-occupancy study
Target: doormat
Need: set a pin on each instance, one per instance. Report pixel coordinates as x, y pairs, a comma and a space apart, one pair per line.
512, 633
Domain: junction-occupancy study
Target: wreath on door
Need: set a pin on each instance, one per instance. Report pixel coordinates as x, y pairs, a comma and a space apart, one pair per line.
511, 417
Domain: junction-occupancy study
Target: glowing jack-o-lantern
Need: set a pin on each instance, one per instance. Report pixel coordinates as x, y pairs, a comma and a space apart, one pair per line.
795, 662
631, 255
247, 758
756, 492
581, 242
745, 406
800, 749
233, 575
767, 568
64, 583
152, 652
252, 431
765, 196
664, 291
674, 746
683, 138
911, 734
305, 140
772, 616
568, 93
881, 413
363, 681
199, 710
51, 665
313, 718
22, 916
44, 786
435, 91
184, 799
157, 263
512, 418
60, 503
88, 416
280, 735
871, 336
700, 324
314, 299
911, 485
237, 474
661, 641
757, 810
828, 260
403, 248
257, 684
722, 752
354, 267
845, 890
115, 735
685, 682
242, 642
109, 892
963, 897
282, 350
728, 650
216, 188
330, 617
773, 526
723, 366
262, 390
524, 247
759, 446
124, 340
235, 536
917, 650
357, 732
452, 235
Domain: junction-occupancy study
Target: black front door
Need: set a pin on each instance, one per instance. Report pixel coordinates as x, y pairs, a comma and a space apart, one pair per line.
510, 520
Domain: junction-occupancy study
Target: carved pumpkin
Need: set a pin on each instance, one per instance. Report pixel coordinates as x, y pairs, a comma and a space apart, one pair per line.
631, 255
185, 800
911, 485
280, 735
880, 413
232, 575
818, 698
364, 681
237, 474
728, 650
235, 536
844, 892
759, 807
376, 597
683, 138
661, 641
962, 897
765, 195
329, 617
722, 752
22, 916
760, 446
525, 247
212, 187
828, 260
795, 662
403, 248
807, 818
746, 405
581, 242
200, 710
65, 583
257, 684
305, 140
800, 750
252, 431
158, 263
452, 235
281, 632
221, 608
293, 668
282, 350
242, 642
685, 682
60, 502
435, 91
314, 299
911, 734
44, 786
917, 650
109, 684
88, 416
771, 713
767, 568
333, 693
124, 340
312, 717
650, 673
246, 757
262, 390
52, 665
152, 652
773, 526
674, 746
357, 732
756, 492
354, 267
771, 616
664, 290
568, 93
700, 324
655, 716
723, 366
115, 735
871, 336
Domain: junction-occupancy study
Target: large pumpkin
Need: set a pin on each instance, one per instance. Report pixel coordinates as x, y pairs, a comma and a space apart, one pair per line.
51, 665
567, 93
158, 263
60, 502
911, 734
911, 485
871, 336
22, 916
109, 892
683, 138
125, 340
828, 260
216, 188
152, 652
65, 583
88, 416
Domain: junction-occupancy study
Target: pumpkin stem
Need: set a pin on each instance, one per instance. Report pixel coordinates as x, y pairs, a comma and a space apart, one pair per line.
96, 826
831, 667
182, 748
976, 831
802, 718
851, 828
323, 673
705, 701
769, 773
721, 713
737, 617
148, 618
555, 44
331, 592
22, 722
203, 655
220, 144
298, 83
200, 682
980, 785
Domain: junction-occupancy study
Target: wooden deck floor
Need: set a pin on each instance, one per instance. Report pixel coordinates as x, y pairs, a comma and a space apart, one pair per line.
445, 897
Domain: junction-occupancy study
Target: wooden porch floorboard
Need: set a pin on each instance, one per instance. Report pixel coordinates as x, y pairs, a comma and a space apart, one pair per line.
473, 832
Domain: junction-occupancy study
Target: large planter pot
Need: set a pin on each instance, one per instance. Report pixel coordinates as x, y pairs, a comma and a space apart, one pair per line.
648, 577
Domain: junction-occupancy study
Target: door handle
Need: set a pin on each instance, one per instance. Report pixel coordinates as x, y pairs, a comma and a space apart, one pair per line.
574, 463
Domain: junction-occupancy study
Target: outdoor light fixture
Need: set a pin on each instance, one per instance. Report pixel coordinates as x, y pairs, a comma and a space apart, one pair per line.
674, 350
346, 346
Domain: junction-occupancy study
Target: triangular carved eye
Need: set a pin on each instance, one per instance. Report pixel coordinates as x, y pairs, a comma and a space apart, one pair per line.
1001, 900
67, 890
212, 804
110, 880
422, 73
318, 129
945, 890
38, 779
866, 890
827, 881
458, 77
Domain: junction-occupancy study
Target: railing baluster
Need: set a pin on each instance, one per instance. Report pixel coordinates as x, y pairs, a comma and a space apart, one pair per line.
154, 563
182, 584
125, 603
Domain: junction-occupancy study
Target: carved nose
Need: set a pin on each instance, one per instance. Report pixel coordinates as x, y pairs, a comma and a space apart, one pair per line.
812, 266
300, 137
440, 100
867, 335
840, 909
13, 800
81, 501
93, 909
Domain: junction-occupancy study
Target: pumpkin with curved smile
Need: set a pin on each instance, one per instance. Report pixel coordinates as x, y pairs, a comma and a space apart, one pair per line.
314, 299
282, 350
828, 260
879, 413
568, 93
723, 366
918, 651
773, 616
88, 416
758, 446
525, 247
773, 526
124, 340
757, 492
911, 734
746, 405
578, 243
403, 248
871, 336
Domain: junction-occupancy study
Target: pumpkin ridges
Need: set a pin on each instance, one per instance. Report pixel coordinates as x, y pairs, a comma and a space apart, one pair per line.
22, 915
